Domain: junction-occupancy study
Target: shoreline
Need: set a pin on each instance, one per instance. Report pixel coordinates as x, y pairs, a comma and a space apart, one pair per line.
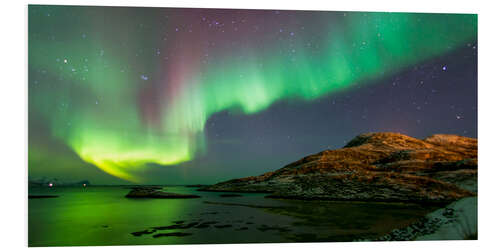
456, 221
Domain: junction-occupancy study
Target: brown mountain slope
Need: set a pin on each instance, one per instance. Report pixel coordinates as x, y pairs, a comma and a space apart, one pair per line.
375, 167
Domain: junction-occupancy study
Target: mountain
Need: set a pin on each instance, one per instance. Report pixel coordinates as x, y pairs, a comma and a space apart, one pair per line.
374, 167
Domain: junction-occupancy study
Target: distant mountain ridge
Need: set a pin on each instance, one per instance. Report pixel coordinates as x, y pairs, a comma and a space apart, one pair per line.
46, 182
375, 167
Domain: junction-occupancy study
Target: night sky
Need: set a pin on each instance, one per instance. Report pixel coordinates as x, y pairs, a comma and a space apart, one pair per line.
184, 96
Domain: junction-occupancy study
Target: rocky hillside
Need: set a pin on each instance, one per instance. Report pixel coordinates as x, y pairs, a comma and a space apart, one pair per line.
375, 167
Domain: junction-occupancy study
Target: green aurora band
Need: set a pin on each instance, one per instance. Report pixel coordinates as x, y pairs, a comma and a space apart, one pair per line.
90, 102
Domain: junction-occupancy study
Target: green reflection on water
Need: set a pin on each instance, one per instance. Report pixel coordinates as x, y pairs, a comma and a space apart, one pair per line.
103, 216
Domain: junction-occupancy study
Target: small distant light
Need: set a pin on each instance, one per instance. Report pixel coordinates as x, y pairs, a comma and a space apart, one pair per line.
444, 68
50, 184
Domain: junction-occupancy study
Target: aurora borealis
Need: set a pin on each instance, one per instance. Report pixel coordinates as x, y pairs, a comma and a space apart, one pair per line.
143, 93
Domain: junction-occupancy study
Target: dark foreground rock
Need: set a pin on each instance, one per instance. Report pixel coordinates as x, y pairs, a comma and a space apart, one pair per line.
375, 167
146, 192
223, 226
177, 226
140, 233
174, 234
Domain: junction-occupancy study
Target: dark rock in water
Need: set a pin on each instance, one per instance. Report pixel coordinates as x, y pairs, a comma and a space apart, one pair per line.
190, 225
176, 234
202, 226
230, 195
223, 226
264, 228
177, 226
42, 196
205, 224
147, 192
374, 167
140, 233
448, 212
210, 222
209, 213
196, 185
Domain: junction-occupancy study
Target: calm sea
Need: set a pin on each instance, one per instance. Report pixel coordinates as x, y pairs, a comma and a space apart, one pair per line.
103, 216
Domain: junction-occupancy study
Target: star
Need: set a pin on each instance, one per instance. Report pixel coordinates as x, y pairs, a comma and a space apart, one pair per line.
444, 68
